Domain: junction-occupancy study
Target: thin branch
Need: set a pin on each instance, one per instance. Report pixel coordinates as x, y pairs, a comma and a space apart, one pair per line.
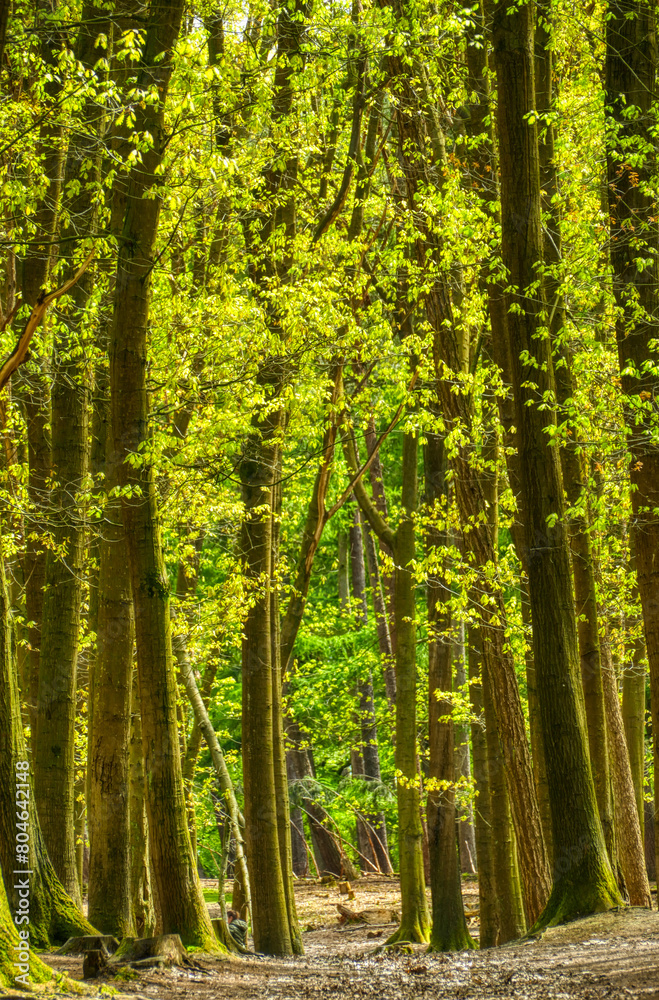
19, 353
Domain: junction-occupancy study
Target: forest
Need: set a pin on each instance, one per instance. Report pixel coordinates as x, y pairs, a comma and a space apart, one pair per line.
329, 473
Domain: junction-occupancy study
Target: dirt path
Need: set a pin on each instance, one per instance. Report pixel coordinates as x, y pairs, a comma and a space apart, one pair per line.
613, 956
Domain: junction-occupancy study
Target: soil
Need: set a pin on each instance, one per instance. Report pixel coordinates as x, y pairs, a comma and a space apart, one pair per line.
613, 955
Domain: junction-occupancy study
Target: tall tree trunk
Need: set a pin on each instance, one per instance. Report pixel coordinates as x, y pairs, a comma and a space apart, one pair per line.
448, 357
585, 593
56, 701
281, 777
449, 925
510, 918
633, 717
53, 915
272, 933
630, 73
629, 840
466, 837
415, 917
510, 905
371, 829
328, 850
142, 902
32, 384
583, 880
109, 822
176, 881
485, 166
487, 882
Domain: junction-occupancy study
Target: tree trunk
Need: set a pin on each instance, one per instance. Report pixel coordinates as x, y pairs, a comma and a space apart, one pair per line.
272, 933
109, 823
281, 777
630, 86
142, 903
224, 781
633, 716
415, 917
372, 828
54, 916
633, 705
30, 971
585, 593
376, 477
466, 837
487, 883
449, 925
176, 881
56, 701
330, 858
485, 166
583, 880
628, 827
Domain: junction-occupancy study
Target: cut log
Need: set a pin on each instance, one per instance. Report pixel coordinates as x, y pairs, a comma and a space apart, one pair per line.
94, 963
162, 950
347, 916
91, 942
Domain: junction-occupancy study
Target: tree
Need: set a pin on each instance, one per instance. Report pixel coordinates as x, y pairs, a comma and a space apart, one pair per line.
583, 880
180, 899
630, 89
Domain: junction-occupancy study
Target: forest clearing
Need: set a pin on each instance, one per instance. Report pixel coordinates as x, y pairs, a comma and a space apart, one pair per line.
329, 497
609, 956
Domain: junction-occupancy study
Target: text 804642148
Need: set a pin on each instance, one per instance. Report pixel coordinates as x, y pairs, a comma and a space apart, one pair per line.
22, 872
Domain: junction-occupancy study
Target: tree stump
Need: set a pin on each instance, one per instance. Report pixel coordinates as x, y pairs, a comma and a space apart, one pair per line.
93, 964
91, 942
162, 950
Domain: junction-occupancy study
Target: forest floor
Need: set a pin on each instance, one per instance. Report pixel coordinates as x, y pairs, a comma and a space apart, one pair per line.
613, 956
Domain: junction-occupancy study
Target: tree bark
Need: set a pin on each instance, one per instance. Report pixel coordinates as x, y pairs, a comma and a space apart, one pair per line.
56, 700
222, 772
629, 839
109, 798
281, 777
449, 925
54, 916
487, 885
142, 902
176, 881
415, 917
328, 851
371, 828
583, 880
466, 836
630, 86
585, 593
271, 930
